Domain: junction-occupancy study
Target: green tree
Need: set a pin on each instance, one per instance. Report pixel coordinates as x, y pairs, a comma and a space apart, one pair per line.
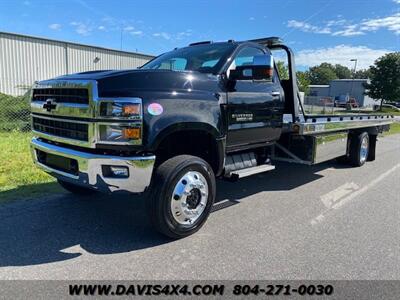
342, 72
303, 81
363, 74
283, 70
322, 74
385, 78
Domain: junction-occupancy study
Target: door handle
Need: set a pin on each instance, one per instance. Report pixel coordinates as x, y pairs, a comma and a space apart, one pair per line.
274, 94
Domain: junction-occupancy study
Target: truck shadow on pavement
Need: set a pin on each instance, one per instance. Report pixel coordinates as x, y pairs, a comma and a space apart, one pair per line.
64, 226
284, 178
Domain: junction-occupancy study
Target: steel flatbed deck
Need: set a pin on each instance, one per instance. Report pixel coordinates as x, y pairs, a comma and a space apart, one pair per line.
317, 124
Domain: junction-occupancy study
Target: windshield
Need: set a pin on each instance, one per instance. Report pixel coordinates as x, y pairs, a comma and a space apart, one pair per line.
203, 58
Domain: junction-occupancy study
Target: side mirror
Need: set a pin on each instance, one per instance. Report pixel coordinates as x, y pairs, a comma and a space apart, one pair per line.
261, 69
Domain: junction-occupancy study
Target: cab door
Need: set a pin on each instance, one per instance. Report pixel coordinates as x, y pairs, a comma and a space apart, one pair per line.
254, 107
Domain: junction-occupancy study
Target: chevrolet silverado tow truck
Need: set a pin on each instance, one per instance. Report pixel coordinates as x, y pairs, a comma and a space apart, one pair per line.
187, 117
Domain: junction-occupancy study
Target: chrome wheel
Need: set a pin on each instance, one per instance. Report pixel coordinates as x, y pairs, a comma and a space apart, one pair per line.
364, 149
189, 198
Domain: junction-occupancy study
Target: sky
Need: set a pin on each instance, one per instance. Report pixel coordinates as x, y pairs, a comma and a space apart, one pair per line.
318, 31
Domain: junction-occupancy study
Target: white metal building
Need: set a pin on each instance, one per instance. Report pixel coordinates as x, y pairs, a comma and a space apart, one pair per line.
25, 59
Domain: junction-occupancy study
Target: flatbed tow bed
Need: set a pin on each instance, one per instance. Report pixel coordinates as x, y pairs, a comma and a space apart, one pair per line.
326, 136
311, 139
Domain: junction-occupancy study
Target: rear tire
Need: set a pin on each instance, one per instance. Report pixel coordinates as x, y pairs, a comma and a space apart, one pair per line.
359, 149
181, 196
76, 189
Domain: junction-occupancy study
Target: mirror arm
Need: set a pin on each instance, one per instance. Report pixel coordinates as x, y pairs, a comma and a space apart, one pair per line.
228, 83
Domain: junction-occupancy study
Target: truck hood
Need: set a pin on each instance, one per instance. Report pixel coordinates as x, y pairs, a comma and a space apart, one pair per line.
126, 83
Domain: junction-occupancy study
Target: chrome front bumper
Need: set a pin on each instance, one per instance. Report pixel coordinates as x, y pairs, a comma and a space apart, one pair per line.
90, 168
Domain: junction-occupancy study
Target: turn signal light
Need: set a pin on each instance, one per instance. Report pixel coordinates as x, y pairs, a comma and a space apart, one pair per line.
131, 133
131, 109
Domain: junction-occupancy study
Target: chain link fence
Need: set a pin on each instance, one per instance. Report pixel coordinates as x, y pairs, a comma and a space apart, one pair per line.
15, 111
320, 105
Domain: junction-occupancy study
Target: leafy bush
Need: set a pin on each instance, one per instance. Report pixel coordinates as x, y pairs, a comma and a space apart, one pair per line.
14, 112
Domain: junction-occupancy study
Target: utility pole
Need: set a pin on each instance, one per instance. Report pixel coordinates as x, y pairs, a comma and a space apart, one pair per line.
354, 74
355, 65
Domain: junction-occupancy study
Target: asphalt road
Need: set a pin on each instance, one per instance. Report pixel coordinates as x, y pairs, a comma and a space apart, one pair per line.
297, 222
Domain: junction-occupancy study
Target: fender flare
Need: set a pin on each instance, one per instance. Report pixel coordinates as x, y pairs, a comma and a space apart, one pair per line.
220, 140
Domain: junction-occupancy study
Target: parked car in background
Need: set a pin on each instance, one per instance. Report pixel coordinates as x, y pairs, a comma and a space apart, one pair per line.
327, 101
343, 101
353, 102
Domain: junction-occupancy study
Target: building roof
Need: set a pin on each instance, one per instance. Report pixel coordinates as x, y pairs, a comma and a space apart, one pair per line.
350, 79
72, 43
319, 85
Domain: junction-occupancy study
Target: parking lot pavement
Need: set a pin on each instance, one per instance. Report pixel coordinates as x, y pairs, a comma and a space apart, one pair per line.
327, 221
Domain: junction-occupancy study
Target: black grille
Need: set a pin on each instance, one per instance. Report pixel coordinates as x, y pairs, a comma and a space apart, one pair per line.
80, 96
76, 131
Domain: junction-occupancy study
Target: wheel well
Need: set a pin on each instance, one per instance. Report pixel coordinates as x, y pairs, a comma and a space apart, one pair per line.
193, 142
370, 130
372, 133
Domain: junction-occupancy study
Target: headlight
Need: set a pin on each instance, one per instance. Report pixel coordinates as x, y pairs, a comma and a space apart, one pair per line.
126, 125
120, 134
120, 109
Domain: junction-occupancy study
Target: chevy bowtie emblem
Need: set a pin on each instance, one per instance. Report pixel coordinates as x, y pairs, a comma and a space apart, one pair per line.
50, 104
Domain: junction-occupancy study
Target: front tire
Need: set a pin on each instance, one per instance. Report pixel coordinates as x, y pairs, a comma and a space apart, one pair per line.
181, 196
76, 189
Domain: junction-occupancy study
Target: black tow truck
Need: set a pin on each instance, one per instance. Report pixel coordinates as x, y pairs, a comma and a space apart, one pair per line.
187, 117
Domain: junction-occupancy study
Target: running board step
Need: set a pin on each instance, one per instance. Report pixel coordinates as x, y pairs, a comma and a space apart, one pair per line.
250, 171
